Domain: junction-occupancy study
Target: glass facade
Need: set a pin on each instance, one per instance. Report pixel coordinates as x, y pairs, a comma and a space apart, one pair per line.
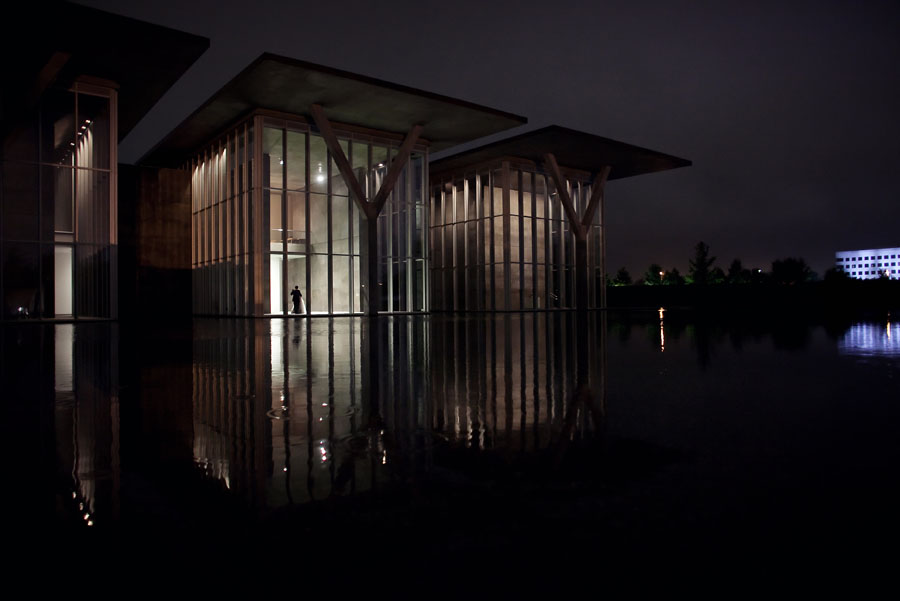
58, 246
500, 240
271, 212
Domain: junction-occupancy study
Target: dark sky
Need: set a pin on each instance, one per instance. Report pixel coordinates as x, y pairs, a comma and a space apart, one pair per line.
790, 111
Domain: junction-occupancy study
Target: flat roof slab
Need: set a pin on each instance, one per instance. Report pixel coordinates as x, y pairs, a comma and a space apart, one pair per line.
291, 86
143, 59
573, 149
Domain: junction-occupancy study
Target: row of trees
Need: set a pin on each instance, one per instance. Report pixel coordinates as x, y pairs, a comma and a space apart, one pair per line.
703, 271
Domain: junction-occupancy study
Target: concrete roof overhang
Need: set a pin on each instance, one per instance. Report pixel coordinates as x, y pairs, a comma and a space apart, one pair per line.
66, 41
291, 86
573, 149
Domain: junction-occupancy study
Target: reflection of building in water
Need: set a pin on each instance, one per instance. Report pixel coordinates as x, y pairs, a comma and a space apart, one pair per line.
231, 370
87, 420
871, 339
510, 382
280, 411
292, 411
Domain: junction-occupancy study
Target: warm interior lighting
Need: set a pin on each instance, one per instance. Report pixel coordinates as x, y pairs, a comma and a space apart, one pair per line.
320, 177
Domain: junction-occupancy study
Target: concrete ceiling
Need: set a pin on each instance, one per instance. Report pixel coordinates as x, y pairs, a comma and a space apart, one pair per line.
573, 149
287, 85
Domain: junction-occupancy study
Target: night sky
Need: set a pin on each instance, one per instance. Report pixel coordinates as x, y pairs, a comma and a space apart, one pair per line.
790, 111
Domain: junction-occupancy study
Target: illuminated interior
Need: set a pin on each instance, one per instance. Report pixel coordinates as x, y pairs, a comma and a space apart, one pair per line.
473, 267
271, 212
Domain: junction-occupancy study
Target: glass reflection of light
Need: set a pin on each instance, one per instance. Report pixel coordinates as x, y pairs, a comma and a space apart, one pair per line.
871, 339
324, 453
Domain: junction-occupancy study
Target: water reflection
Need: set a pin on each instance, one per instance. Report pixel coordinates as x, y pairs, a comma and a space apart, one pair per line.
871, 339
60, 423
307, 410
86, 417
171, 428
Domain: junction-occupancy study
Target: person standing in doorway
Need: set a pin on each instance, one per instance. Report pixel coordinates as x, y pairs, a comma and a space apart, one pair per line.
296, 297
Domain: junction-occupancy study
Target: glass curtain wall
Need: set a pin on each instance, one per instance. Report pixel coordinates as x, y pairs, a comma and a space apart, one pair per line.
220, 225
58, 237
500, 241
300, 227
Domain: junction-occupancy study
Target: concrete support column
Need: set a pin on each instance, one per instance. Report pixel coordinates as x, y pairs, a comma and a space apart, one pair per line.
371, 208
581, 228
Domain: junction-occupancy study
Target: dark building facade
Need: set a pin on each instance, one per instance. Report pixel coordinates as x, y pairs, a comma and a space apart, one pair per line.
72, 90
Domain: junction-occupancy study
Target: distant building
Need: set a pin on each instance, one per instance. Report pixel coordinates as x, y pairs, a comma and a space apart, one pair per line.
870, 264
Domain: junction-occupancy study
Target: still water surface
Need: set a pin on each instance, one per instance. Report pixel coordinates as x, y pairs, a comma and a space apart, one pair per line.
647, 429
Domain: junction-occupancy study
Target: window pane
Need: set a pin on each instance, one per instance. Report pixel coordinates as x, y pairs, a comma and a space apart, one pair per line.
297, 276
276, 290
20, 201
540, 196
318, 157
275, 229
527, 199
273, 158
340, 284
296, 225
318, 223
514, 239
296, 160
20, 280
340, 224
357, 307
92, 205
419, 286
62, 280
317, 299
417, 163
357, 224
527, 238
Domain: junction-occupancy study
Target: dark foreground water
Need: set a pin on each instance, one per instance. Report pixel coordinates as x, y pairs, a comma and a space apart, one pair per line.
434, 443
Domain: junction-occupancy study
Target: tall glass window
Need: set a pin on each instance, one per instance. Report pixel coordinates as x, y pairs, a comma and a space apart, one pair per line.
301, 227
58, 240
500, 240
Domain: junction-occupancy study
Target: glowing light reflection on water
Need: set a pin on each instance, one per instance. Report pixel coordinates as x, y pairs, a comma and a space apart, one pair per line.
871, 339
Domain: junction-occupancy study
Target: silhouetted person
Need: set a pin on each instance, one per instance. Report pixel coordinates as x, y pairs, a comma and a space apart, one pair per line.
297, 298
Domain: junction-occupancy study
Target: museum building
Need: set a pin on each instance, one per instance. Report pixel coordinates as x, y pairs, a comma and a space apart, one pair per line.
292, 176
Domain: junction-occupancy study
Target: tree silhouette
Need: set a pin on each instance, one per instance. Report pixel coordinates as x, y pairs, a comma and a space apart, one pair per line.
673, 278
836, 275
737, 274
653, 276
701, 264
623, 278
792, 271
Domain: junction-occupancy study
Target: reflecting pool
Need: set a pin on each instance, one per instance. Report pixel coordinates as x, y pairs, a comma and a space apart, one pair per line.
490, 434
